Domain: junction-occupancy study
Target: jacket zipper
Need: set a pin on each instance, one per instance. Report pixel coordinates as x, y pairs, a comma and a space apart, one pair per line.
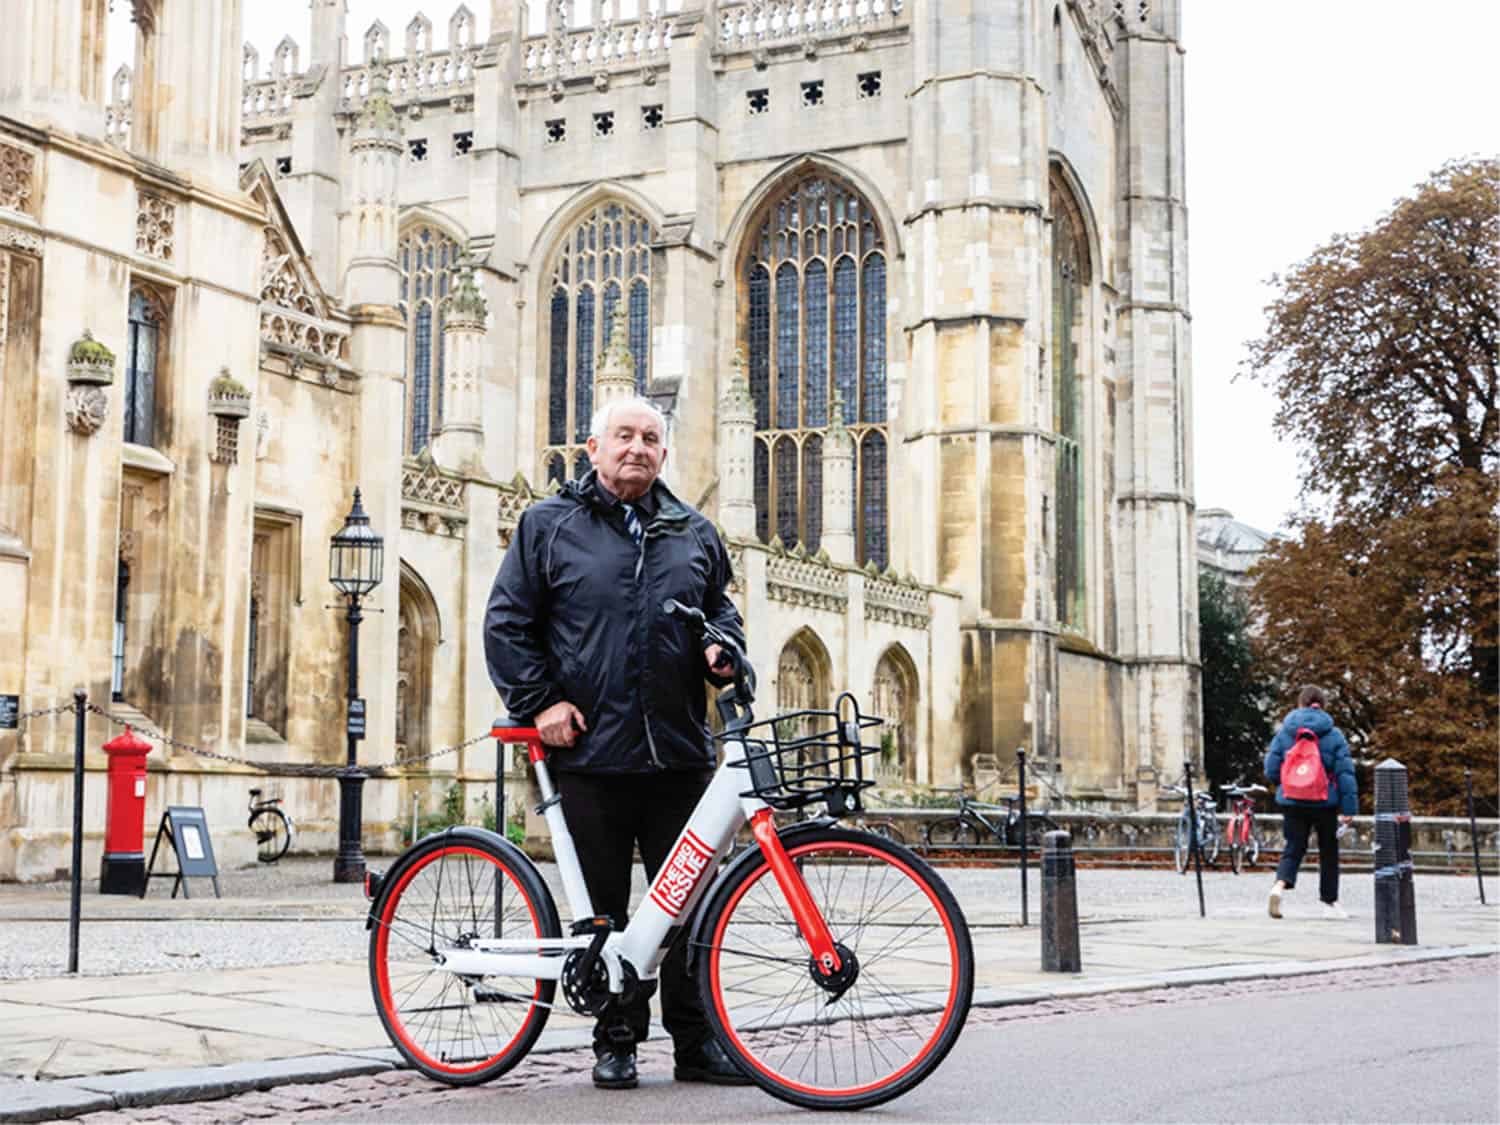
640, 560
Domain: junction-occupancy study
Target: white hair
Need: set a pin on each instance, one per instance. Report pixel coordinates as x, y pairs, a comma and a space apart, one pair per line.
600, 421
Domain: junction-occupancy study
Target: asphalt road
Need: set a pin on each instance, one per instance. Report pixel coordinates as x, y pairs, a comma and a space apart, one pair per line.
1382, 1050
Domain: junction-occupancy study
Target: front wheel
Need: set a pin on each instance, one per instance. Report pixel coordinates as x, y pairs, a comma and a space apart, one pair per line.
273, 833
890, 1014
886, 830
1181, 847
448, 892
1209, 839
1236, 856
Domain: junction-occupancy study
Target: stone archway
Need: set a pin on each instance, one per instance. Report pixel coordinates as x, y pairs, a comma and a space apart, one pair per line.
895, 700
416, 647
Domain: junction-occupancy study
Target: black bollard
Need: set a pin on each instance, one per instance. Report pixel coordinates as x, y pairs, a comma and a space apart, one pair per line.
1474, 834
75, 899
1395, 897
1195, 847
1060, 948
1021, 796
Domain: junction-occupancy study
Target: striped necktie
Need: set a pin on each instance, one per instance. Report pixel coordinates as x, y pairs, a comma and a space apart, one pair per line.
633, 524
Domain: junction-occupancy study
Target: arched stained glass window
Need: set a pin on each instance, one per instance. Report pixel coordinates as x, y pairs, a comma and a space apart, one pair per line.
819, 330
1070, 274
602, 260
430, 259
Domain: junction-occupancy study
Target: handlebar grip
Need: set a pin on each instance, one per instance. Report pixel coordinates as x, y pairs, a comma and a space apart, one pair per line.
674, 608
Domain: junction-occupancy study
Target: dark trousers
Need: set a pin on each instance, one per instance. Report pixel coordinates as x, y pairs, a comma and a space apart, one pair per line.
1297, 824
610, 815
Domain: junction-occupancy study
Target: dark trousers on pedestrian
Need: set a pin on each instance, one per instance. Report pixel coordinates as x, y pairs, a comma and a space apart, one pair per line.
610, 815
1296, 825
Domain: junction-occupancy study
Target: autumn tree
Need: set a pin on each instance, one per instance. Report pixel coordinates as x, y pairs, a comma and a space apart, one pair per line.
1238, 700
1382, 348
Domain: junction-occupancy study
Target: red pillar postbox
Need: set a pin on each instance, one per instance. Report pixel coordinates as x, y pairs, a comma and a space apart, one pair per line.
123, 871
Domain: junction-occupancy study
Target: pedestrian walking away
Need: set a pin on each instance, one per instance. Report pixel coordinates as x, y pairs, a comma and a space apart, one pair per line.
579, 647
1309, 763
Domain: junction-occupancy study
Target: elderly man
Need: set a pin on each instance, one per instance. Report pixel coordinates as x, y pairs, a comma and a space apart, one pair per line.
577, 644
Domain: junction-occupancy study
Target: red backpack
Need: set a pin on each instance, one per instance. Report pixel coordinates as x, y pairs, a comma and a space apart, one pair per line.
1303, 777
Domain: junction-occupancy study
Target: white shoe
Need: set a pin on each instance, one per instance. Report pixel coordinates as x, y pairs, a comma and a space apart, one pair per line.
1274, 903
1332, 911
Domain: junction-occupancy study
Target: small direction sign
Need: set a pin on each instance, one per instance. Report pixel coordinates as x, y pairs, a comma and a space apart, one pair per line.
10, 712
356, 718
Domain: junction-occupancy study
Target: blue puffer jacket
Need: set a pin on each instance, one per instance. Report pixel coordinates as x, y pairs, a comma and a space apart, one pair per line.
1337, 761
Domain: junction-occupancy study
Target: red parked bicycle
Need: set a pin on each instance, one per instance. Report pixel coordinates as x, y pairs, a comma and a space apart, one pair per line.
1241, 836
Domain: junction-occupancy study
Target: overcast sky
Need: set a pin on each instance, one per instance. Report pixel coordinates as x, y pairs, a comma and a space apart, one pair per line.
1304, 118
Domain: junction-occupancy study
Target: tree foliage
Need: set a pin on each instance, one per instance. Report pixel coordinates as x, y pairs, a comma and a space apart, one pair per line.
1382, 348
1237, 698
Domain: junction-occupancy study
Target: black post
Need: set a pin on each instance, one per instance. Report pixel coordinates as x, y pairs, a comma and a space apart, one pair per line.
1021, 794
500, 787
1060, 947
1187, 776
1474, 834
75, 905
1395, 898
349, 864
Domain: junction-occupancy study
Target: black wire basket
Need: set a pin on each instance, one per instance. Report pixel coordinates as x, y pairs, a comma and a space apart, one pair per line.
805, 757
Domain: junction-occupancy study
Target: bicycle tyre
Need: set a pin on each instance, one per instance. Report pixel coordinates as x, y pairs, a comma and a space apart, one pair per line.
950, 832
1236, 856
886, 830
1037, 826
412, 1011
1208, 838
896, 913
1253, 853
273, 833
1181, 847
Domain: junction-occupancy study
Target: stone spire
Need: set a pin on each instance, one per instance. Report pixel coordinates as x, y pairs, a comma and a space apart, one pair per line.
614, 377
838, 486
737, 453
376, 149
459, 445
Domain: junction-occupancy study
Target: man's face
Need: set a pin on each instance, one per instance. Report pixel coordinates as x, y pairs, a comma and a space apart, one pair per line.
631, 453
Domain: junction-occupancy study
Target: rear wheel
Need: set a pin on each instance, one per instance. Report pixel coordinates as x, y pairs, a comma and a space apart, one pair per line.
1208, 838
1236, 856
950, 832
886, 830
458, 1029
889, 1016
1036, 828
273, 833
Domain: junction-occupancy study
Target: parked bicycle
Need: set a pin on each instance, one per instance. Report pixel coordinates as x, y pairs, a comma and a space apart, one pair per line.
272, 827
966, 829
836, 966
1208, 829
1241, 834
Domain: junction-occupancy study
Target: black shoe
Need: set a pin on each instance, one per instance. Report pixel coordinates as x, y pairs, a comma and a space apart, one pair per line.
615, 1070
708, 1063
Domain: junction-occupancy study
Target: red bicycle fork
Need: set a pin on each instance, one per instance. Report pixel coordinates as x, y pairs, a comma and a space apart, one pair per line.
794, 889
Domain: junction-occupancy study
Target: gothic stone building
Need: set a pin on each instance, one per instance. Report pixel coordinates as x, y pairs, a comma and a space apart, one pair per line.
908, 280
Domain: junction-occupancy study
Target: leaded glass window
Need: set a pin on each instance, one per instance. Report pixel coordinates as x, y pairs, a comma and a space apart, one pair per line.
602, 260
147, 324
815, 323
430, 260
1069, 276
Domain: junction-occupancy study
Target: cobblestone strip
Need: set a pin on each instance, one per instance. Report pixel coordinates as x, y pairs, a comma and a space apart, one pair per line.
387, 1092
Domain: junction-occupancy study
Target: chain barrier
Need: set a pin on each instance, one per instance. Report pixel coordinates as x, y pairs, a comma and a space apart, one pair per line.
279, 769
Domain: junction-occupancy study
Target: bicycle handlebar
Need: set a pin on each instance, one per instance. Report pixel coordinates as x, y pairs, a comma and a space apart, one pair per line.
730, 654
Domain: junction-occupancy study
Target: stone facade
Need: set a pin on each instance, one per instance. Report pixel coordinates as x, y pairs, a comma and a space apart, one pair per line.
907, 279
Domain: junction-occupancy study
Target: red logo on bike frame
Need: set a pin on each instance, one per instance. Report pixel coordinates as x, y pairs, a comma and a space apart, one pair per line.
680, 874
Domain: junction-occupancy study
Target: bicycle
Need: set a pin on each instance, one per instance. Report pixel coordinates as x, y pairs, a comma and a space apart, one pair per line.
1208, 829
836, 966
272, 828
1241, 834
966, 828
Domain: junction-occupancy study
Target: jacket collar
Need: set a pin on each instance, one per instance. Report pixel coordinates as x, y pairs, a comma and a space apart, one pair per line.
670, 511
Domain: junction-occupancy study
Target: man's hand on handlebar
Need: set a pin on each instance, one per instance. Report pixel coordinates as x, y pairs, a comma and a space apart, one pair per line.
559, 724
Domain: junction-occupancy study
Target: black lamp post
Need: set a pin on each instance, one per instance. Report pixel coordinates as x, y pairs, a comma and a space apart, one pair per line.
356, 557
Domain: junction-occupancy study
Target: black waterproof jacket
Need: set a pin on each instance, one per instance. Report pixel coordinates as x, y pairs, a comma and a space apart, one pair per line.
575, 614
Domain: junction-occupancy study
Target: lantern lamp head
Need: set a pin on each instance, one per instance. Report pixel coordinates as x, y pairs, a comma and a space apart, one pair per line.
356, 556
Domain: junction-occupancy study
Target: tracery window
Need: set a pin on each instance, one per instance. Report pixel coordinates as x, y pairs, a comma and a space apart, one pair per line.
815, 301
143, 362
603, 260
430, 261
1069, 278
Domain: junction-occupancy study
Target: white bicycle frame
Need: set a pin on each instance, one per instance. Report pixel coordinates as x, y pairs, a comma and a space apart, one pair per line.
669, 903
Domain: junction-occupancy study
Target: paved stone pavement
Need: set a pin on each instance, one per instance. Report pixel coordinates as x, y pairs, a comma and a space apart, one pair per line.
231, 1018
